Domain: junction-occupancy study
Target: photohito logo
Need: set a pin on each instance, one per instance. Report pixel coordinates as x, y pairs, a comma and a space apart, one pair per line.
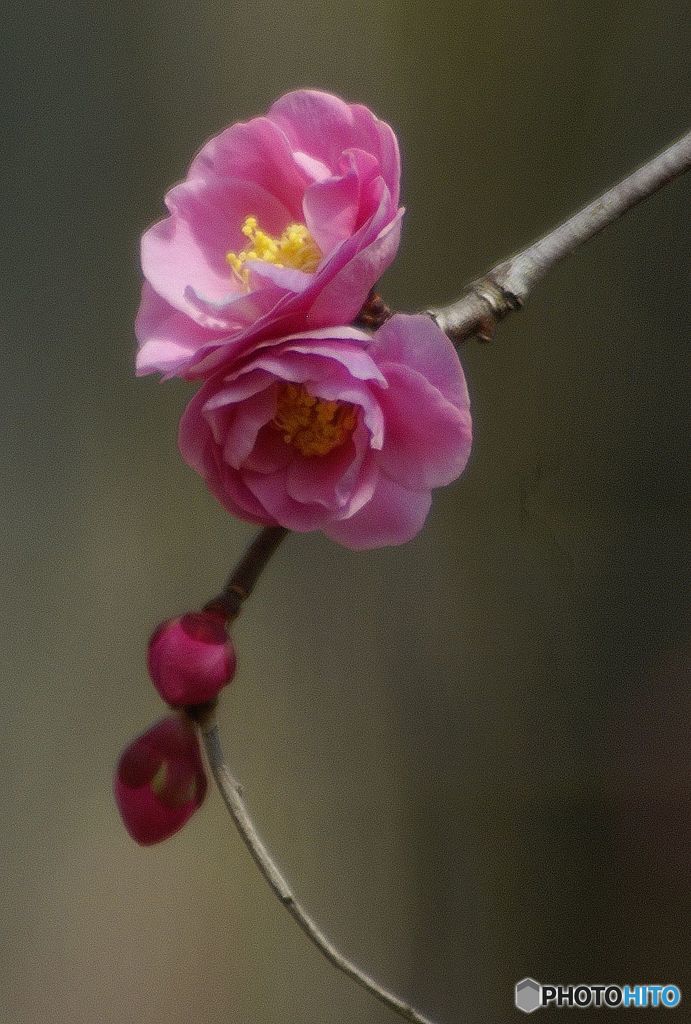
531, 995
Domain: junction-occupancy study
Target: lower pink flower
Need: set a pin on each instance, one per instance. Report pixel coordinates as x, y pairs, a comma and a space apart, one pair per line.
160, 781
335, 430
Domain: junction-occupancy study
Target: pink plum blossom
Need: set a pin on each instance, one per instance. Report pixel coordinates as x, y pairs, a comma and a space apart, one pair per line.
283, 223
335, 430
160, 781
191, 658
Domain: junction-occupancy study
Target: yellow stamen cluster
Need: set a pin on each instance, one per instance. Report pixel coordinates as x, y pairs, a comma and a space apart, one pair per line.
294, 248
313, 425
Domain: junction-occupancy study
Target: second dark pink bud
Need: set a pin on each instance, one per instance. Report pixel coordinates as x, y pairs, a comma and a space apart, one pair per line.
191, 658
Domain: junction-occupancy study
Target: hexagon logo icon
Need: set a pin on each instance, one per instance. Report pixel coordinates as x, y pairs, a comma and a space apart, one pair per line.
527, 995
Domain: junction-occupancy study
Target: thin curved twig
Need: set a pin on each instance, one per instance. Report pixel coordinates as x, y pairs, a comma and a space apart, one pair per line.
232, 798
237, 589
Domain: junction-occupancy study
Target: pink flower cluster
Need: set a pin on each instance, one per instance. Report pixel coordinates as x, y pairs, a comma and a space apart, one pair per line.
254, 283
270, 249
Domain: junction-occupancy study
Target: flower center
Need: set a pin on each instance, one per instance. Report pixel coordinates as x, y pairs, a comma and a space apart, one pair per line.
313, 425
294, 248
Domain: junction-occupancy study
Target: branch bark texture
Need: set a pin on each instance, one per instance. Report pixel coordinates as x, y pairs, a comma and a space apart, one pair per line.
507, 286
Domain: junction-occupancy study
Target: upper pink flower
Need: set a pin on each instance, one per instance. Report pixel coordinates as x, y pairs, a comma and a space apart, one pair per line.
335, 430
283, 223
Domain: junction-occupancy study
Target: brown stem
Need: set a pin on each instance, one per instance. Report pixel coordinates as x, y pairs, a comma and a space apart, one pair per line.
507, 286
244, 576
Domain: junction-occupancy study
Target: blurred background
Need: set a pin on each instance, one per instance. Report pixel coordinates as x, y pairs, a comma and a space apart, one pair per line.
467, 753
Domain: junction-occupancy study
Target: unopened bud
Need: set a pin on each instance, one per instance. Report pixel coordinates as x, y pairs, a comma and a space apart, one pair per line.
191, 658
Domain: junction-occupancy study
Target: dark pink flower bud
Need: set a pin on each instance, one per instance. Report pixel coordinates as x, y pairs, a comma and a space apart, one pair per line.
191, 658
159, 781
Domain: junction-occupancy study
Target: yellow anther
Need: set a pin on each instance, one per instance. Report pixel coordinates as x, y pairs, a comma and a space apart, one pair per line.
314, 426
294, 248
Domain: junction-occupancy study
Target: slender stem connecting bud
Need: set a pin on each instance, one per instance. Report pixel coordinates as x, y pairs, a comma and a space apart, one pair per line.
244, 576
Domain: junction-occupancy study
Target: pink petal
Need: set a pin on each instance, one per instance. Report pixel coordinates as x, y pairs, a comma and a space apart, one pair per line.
243, 318
334, 376
256, 151
427, 440
319, 479
270, 452
291, 280
371, 415
342, 481
323, 126
314, 169
393, 516
271, 491
310, 357
335, 335
356, 269
387, 150
236, 387
365, 165
169, 340
230, 489
320, 124
331, 210
250, 416
371, 184
417, 342
194, 435
199, 450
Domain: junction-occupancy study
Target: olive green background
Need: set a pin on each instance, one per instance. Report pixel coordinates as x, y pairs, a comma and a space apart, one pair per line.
467, 753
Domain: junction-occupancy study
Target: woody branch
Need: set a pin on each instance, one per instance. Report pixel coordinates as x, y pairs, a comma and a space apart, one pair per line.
506, 287
489, 299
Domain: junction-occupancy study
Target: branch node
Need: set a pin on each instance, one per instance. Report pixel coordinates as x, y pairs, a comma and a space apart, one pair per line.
499, 299
374, 313
505, 288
